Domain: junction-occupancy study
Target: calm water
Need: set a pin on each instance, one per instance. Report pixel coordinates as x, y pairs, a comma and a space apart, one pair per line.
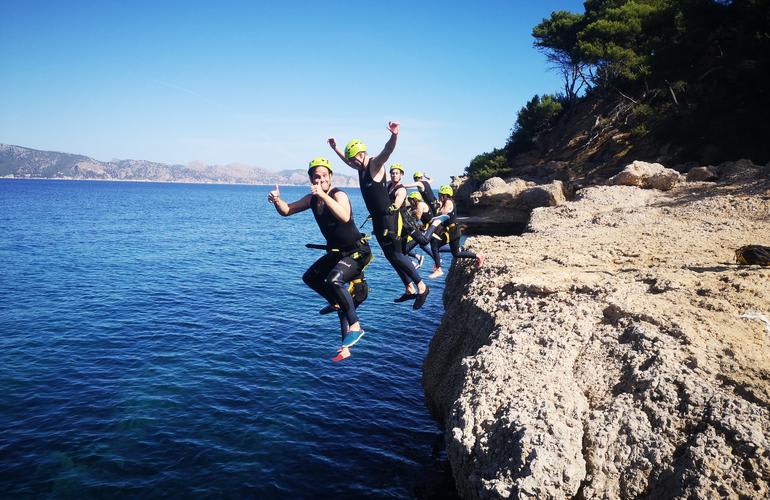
157, 340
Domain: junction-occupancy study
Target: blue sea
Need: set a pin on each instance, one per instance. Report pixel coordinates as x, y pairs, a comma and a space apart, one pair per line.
156, 340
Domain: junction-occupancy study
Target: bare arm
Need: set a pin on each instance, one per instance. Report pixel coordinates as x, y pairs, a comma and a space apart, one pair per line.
418, 211
286, 209
333, 144
417, 185
447, 207
339, 205
400, 197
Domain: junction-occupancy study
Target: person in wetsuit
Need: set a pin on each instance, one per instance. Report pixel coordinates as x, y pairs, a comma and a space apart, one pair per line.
373, 183
444, 229
347, 252
405, 223
422, 214
422, 183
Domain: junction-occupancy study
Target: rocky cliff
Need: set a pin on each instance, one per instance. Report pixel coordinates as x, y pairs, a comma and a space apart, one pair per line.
614, 350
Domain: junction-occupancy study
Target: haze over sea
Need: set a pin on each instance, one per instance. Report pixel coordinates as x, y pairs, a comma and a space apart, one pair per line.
157, 340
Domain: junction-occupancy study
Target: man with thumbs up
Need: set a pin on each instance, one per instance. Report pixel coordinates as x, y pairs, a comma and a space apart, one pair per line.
347, 252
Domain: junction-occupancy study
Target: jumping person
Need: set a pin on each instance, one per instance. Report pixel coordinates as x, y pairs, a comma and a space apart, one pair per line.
422, 183
423, 216
405, 223
373, 183
444, 229
347, 252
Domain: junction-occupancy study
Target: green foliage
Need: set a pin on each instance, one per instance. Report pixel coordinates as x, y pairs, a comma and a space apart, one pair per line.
536, 117
696, 70
486, 165
532, 120
557, 38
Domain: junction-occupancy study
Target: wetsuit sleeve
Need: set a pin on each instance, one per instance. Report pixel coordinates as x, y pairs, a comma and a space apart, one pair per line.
381, 158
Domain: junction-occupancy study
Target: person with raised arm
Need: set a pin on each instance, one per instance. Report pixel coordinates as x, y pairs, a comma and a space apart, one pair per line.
422, 183
347, 252
373, 182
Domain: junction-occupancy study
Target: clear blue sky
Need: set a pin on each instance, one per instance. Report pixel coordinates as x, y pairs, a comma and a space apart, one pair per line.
265, 83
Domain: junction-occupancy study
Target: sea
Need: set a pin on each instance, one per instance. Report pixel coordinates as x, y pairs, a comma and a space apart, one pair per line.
157, 340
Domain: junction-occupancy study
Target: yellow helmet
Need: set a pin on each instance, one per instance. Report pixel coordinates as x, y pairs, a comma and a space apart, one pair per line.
319, 162
353, 148
447, 190
417, 175
397, 166
415, 196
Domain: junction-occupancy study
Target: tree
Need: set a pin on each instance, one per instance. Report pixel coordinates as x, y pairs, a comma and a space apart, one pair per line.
532, 120
557, 38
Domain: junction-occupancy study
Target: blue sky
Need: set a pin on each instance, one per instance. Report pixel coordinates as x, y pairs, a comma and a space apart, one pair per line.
265, 83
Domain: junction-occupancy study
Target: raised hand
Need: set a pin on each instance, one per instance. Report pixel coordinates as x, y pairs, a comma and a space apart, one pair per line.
332, 142
393, 127
315, 189
274, 195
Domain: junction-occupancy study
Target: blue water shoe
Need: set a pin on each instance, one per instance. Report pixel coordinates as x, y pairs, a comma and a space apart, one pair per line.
351, 338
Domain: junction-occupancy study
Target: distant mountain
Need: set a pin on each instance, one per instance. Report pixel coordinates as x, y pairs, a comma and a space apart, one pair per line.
25, 163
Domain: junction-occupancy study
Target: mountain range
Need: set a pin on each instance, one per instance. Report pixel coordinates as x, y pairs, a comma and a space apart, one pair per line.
24, 163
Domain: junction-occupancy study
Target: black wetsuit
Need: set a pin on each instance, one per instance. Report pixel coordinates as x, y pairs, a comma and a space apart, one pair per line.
429, 197
385, 225
418, 238
402, 218
449, 232
347, 253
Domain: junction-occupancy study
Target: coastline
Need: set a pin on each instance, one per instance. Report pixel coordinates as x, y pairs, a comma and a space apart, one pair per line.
148, 181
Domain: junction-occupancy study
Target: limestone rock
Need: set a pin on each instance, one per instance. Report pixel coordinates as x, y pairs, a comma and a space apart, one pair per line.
646, 175
604, 354
493, 185
549, 195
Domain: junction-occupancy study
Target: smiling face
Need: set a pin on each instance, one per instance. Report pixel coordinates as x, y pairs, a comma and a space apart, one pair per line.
395, 175
322, 176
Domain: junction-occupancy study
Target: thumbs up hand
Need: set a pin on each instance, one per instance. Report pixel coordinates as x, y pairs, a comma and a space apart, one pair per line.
274, 195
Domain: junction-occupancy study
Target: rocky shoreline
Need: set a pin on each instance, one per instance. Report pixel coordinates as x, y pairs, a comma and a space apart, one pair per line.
605, 353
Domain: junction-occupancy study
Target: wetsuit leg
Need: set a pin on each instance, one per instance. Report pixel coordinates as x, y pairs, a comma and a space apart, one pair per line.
337, 281
454, 246
315, 276
435, 247
391, 247
409, 247
344, 325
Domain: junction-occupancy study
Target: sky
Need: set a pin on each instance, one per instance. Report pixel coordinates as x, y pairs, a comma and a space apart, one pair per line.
265, 83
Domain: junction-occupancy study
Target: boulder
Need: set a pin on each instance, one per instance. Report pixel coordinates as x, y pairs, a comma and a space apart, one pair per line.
731, 172
701, 174
493, 185
646, 175
548, 195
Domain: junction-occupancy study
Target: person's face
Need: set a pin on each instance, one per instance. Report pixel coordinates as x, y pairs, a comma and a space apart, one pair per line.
395, 175
322, 176
358, 159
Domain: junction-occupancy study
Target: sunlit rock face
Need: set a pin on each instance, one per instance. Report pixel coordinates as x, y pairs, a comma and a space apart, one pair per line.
607, 351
